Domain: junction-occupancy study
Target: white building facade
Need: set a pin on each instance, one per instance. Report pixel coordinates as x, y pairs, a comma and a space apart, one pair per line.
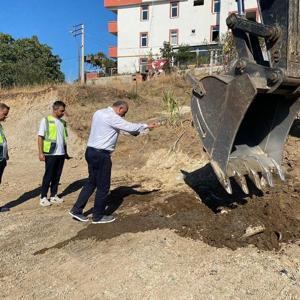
143, 26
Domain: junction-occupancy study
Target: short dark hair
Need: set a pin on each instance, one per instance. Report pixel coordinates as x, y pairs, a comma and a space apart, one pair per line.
57, 104
120, 103
4, 106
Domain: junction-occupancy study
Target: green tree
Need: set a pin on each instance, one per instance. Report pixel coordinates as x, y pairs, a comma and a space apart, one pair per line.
184, 55
102, 61
168, 53
8, 59
27, 61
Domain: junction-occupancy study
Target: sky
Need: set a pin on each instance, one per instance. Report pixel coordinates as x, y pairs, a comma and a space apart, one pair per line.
52, 20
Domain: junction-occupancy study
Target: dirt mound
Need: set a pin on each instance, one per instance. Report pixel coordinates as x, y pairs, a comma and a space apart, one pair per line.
278, 213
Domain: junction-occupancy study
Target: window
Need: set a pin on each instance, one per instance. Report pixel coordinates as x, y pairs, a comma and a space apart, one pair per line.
216, 6
198, 2
174, 37
174, 6
145, 12
215, 31
143, 64
143, 39
143, 61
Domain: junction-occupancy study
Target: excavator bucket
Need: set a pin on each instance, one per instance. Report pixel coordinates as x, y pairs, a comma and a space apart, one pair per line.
242, 130
244, 117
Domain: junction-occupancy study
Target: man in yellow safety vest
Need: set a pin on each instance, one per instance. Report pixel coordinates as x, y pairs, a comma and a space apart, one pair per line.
4, 110
52, 145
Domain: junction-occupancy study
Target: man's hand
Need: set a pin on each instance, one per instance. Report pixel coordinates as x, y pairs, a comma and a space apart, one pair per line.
67, 156
40, 147
152, 124
41, 156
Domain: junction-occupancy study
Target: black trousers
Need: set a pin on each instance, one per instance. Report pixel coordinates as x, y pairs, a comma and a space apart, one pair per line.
53, 168
2, 167
99, 166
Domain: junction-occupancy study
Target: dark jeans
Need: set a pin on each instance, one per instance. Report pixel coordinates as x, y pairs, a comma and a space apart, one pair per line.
53, 168
99, 166
2, 167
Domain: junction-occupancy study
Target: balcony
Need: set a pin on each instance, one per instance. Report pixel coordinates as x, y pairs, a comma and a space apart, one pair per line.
116, 3
113, 52
113, 27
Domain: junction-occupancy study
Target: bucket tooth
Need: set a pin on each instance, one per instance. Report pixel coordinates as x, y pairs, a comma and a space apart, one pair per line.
262, 166
266, 173
241, 180
227, 185
222, 177
237, 170
252, 174
263, 182
278, 169
265, 170
255, 178
268, 176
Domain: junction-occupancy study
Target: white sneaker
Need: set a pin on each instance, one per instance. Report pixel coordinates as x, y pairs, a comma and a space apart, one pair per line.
44, 202
56, 200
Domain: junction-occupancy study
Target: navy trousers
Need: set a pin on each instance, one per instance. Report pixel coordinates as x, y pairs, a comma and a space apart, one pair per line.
53, 168
2, 167
99, 166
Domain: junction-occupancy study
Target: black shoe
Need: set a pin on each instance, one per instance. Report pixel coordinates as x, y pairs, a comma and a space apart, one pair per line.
103, 220
79, 217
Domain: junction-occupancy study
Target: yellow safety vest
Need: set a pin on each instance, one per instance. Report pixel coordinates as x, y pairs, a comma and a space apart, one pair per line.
50, 139
2, 140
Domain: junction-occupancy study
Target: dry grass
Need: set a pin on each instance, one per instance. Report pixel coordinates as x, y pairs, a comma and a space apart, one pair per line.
83, 101
30, 91
152, 88
25, 89
157, 86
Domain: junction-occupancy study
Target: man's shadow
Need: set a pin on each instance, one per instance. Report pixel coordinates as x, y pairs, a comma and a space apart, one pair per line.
205, 183
117, 196
23, 198
73, 187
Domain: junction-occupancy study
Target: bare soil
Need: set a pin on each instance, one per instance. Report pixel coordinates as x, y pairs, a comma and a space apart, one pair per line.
178, 235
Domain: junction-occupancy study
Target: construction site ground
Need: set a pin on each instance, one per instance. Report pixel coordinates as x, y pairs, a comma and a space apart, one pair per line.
177, 235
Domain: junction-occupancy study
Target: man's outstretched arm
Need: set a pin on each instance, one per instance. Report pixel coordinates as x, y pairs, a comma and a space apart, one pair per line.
121, 124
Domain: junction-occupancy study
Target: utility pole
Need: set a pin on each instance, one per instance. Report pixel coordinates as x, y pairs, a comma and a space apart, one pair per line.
78, 30
79, 63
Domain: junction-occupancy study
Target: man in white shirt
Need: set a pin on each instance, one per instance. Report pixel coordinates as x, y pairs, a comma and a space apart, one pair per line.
106, 126
4, 110
52, 145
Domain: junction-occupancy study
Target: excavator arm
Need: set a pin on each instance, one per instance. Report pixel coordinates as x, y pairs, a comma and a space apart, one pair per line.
244, 117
